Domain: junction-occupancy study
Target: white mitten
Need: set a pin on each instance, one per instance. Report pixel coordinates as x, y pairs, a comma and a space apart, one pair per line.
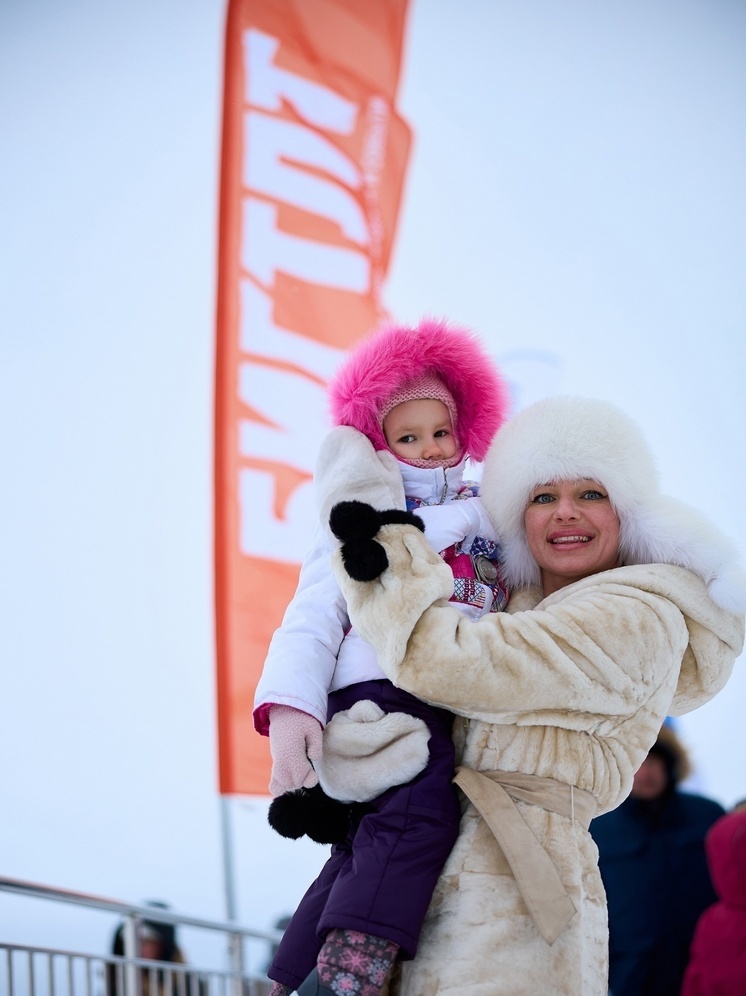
458, 522
367, 751
348, 468
294, 742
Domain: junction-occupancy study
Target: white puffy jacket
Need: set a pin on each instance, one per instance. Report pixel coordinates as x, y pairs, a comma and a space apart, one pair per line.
315, 651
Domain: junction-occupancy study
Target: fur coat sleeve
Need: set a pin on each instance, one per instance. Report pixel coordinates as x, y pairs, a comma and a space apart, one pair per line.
607, 657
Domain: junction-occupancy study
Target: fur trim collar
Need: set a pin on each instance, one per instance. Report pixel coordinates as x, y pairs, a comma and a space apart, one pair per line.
567, 438
349, 469
397, 354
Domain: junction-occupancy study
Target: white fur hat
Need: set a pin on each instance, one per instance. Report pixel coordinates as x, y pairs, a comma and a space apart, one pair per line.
568, 438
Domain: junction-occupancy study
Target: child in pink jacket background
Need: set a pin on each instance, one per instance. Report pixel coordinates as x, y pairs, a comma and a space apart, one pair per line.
717, 961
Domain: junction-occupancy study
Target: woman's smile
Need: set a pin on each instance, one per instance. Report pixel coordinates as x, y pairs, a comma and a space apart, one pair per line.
562, 538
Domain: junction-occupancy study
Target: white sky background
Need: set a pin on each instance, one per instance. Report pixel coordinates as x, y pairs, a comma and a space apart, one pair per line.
575, 194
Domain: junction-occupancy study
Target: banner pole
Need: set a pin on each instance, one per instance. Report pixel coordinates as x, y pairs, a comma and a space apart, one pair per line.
229, 882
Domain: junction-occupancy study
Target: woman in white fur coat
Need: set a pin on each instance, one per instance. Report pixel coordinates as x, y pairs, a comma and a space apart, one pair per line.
627, 607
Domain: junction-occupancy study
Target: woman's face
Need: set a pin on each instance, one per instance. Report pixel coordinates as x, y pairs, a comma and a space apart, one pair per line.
572, 531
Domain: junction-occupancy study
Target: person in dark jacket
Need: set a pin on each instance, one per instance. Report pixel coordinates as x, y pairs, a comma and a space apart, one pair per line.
717, 966
654, 869
157, 942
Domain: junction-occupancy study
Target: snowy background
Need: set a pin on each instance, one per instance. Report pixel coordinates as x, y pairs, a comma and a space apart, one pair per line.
575, 194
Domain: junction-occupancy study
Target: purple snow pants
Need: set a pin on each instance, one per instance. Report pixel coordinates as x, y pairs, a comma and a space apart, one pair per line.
381, 878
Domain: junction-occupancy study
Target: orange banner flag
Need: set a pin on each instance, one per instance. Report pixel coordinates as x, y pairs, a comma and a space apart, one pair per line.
312, 170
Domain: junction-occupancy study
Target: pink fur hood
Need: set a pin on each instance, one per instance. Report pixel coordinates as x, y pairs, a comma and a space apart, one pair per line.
398, 354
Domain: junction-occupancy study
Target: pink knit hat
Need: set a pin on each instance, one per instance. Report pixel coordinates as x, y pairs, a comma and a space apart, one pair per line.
426, 386
448, 362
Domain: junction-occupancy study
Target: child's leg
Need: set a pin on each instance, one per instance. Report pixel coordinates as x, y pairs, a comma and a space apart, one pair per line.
400, 846
379, 900
376, 900
351, 962
300, 943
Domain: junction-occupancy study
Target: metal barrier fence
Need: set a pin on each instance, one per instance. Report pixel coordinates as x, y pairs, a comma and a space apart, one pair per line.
41, 971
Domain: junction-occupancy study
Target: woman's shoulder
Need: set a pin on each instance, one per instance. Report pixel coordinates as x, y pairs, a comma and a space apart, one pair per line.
666, 580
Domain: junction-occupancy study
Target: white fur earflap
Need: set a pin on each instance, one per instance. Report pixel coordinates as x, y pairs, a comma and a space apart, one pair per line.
367, 751
567, 438
348, 468
667, 531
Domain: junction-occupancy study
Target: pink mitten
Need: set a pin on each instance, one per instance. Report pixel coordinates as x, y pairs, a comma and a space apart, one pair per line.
294, 742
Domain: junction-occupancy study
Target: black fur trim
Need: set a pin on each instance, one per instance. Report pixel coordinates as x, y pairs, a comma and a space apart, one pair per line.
364, 559
310, 812
354, 520
356, 523
401, 517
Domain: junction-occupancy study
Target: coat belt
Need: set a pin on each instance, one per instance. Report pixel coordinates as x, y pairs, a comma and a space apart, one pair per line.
493, 793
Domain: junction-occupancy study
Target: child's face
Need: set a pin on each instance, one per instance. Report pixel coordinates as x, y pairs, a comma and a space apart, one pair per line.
420, 430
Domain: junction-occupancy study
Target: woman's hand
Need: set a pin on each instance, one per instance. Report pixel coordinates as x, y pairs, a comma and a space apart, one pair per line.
385, 609
355, 523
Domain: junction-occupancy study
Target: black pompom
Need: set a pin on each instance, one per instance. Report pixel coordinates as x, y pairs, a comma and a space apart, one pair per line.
351, 520
310, 812
364, 559
328, 819
286, 814
400, 517
356, 523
